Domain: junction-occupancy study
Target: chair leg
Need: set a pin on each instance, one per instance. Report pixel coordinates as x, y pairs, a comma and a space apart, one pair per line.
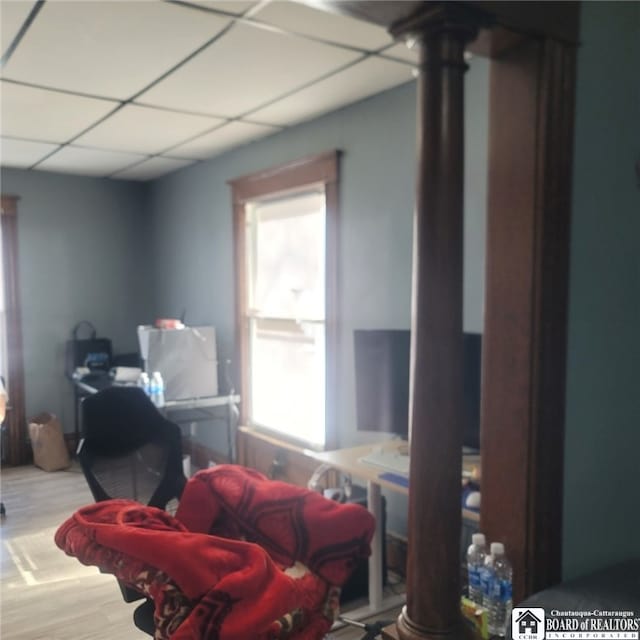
143, 617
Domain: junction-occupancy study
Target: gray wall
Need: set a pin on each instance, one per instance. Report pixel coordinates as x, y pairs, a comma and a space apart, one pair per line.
81, 257
602, 472
193, 241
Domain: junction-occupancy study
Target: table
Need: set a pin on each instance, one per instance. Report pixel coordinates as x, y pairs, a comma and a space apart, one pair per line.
348, 461
199, 407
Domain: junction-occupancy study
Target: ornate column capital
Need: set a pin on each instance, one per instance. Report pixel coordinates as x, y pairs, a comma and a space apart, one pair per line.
436, 18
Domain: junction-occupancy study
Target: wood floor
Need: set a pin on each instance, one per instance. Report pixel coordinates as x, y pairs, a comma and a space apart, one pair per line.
46, 595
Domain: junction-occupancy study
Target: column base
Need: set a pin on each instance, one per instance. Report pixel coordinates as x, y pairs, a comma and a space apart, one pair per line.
405, 629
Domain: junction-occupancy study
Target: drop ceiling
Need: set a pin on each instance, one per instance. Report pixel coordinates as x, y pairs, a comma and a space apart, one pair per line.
136, 89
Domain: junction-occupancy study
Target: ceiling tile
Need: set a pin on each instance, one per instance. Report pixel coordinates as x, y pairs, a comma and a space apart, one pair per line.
145, 130
12, 16
298, 18
245, 68
359, 81
89, 162
401, 51
152, 168
237, 7
230, 135
23, 153
111, 49
49, 116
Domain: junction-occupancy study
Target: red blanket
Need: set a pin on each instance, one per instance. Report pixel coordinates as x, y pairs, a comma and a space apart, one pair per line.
209, 587
290, 523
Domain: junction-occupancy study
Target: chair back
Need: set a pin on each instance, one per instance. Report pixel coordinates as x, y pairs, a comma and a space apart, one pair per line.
130, 450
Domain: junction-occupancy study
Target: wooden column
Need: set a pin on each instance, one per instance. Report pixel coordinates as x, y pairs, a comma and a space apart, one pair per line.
433, 572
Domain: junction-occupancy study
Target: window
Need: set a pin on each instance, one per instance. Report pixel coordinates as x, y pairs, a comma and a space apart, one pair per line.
285, 221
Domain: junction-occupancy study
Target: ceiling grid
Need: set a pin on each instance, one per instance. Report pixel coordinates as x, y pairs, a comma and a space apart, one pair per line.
135, 90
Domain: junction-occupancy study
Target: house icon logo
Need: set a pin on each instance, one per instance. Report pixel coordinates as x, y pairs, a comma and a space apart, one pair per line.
527, 624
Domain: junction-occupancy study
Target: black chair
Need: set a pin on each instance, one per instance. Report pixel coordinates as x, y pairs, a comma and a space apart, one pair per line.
130, 450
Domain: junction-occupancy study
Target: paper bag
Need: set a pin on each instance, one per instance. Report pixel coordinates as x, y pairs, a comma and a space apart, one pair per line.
49, 449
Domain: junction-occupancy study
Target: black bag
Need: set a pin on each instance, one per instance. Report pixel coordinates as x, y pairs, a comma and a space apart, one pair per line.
93, 353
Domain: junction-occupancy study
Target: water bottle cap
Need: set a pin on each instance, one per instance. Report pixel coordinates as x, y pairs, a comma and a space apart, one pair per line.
497, 549
478, 539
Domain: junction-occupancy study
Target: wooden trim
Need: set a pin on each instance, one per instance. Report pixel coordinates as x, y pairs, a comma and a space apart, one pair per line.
288, 178
9, 205
17, 449
322, 167
522, 433
557, 19
556, 103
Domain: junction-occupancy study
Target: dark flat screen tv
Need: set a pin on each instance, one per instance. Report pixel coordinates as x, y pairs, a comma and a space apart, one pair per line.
382, 382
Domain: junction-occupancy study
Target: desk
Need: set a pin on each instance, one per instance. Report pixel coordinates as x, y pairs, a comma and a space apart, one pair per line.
198, 411
348, 461
197, 407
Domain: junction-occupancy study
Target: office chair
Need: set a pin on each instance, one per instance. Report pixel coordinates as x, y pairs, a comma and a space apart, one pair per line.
129, 450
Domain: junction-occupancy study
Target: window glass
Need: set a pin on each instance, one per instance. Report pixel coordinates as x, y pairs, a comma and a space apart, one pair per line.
286, 314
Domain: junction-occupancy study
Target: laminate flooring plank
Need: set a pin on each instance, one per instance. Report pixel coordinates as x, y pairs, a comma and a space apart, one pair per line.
45, 594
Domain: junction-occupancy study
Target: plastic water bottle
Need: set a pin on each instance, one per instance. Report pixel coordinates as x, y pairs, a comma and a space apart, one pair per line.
500, 600
144, 382
486, 580
157, 389
475, 562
